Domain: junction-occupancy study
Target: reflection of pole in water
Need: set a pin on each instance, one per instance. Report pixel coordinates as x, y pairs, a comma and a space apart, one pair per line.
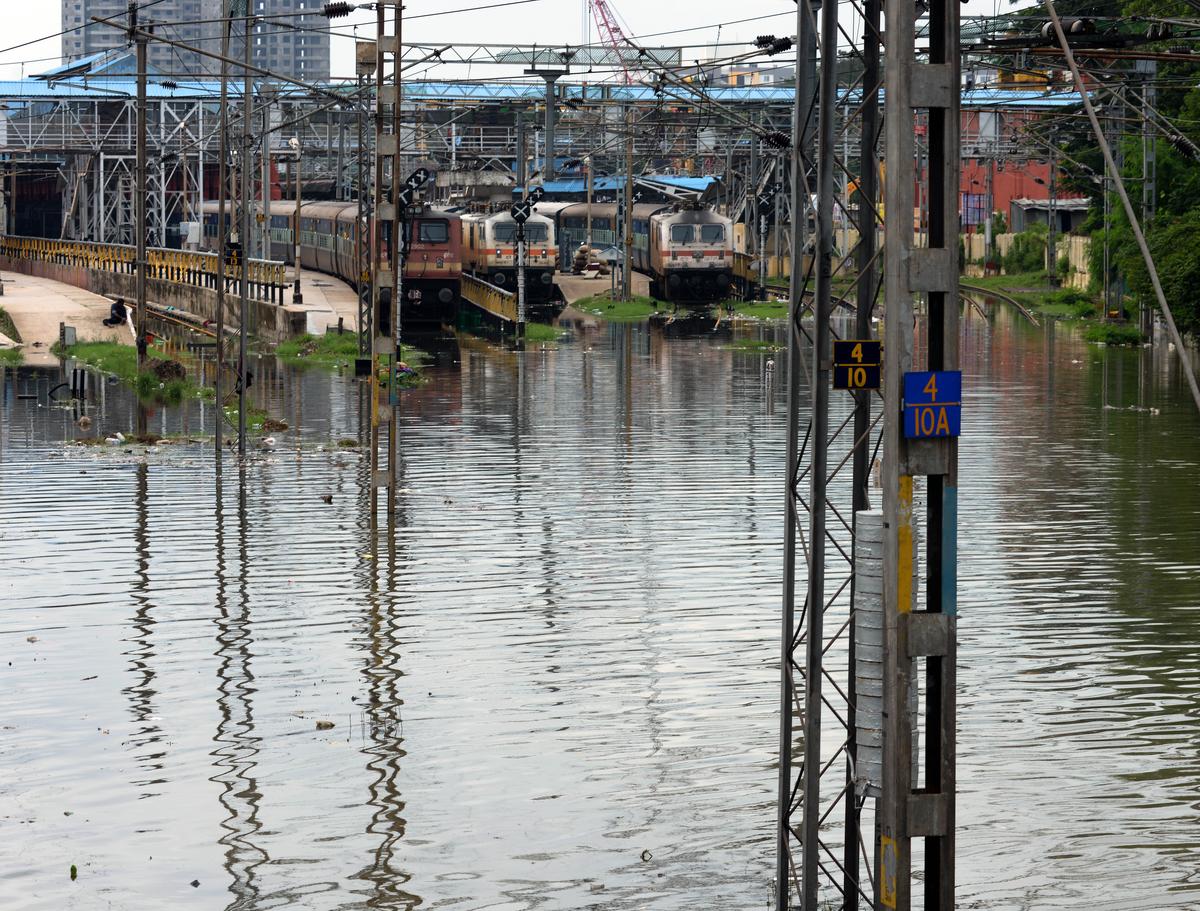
237, 745
384, 720
142, 691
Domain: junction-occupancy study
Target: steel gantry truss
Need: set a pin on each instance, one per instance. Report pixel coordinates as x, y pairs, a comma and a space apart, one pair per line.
851, 797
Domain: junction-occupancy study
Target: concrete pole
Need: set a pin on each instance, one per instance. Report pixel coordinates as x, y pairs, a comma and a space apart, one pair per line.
548, 167
140, 200
590, 184
1052, 234
264, 244
247, 163
297, 297
627, 271
521, 285
1149, 69
341, 156
988, 239
522, 169
1130, 214
222, 226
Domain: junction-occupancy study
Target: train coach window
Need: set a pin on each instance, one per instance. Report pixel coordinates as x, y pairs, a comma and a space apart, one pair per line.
433, 232
712, 234
681, 234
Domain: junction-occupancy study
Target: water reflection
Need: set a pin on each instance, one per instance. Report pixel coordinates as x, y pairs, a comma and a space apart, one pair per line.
559, 654
147, 739
382, 721
238, 743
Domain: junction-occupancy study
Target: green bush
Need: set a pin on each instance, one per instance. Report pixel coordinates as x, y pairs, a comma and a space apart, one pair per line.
1028, 251
1114, 334
1076, 302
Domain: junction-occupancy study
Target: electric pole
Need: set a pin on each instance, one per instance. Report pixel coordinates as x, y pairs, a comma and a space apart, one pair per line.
264, 193
627, 271
1052, 234
222, 225
922, 420
247, 175
140, 192
366, 54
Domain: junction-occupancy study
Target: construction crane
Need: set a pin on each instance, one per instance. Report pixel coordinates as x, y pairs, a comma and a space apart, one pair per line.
612, 35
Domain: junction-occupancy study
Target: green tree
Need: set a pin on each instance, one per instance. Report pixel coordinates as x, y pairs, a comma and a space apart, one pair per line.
1172, 243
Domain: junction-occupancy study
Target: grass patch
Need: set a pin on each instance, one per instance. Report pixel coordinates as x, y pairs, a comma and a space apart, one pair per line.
332, 350
1033, 290
8, 327
1113, 334
168, 386
541, 332
255, 417
11, 357
761, 309
328, 350
615, 311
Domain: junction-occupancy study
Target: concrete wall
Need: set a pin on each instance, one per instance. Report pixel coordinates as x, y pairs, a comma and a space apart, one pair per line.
1072, 246
270, 323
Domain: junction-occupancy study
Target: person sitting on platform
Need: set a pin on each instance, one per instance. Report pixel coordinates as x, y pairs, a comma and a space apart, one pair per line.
117, 314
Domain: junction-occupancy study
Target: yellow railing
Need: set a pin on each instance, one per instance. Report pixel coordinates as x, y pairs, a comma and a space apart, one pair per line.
502, 304
267, 279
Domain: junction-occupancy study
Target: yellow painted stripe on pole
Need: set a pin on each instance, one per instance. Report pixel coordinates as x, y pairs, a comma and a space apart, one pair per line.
888, 861
904, 563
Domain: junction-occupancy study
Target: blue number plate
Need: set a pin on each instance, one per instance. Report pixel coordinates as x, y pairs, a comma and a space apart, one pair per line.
932, 404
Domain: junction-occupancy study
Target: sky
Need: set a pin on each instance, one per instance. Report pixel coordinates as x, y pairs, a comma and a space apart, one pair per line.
554, 22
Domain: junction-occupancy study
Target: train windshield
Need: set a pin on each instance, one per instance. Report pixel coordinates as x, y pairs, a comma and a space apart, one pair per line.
712, 234
681, 234
506, 233
433, 232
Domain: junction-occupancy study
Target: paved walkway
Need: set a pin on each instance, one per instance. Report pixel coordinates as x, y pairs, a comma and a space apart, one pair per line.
577, 287
38, 305
326, 298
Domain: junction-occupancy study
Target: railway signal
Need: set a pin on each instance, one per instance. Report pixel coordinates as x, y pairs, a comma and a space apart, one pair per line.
416, 180
521, 211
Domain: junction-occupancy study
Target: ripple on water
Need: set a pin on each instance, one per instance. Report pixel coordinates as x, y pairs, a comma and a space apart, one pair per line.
563, 654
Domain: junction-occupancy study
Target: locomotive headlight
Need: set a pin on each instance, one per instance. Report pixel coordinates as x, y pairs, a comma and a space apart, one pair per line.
547, 278
445, 295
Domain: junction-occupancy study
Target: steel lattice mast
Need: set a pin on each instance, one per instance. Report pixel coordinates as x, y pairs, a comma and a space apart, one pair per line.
847, 807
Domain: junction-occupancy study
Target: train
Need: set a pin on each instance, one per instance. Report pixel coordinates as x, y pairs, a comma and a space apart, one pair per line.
432, 279
489, 243
687, 251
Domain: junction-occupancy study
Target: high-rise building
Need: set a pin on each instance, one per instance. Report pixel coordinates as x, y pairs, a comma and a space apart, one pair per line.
294, 46
192, 22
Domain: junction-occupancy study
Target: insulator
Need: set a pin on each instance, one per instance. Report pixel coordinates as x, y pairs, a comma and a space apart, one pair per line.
777, 139
779, 46
764, 41
337, 10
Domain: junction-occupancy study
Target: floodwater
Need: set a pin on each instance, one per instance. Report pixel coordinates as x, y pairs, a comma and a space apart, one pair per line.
554, 684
